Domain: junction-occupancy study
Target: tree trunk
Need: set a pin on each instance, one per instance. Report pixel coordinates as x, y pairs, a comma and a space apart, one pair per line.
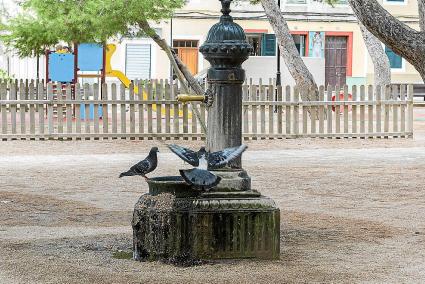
296, 66
402, 39
421, 12
381, 63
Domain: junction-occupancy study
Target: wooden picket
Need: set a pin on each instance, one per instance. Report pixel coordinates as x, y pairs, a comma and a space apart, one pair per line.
109, 111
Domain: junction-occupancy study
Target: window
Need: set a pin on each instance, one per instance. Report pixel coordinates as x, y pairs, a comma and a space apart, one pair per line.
263, 44
188, 51
296, 1
138, 61
395, 2
300, 43
396, 61
268, 45
185, 43
255, 41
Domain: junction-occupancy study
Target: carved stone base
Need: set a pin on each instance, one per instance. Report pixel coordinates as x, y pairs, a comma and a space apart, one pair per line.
216, 225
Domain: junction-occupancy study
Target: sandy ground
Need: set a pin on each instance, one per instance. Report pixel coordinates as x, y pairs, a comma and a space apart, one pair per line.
352, 211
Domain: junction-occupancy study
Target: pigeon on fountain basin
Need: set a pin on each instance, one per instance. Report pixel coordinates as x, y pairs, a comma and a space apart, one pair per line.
200, 177
145, 166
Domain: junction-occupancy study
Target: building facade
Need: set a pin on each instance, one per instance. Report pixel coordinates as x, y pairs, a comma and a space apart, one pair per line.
328, 39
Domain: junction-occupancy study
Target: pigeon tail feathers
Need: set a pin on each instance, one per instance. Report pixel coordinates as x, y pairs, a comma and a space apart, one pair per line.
126, 174
200, 179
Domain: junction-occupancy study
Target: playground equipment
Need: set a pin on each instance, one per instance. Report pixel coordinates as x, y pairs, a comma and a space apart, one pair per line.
66, 66
110, 50
89, 60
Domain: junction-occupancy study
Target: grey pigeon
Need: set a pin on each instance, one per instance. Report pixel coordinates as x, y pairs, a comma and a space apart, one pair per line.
201, 177
145, 166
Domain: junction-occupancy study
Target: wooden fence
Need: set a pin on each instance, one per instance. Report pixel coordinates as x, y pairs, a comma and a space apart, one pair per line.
37, 111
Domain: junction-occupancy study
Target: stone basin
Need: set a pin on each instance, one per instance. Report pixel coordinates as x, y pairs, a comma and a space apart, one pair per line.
174, 185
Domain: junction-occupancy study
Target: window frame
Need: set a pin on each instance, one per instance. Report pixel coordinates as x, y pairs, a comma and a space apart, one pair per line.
307, 42
403, 63
395, 3
259, 32
296, 4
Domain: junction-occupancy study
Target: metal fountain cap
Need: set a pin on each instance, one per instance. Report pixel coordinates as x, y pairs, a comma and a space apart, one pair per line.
226, 45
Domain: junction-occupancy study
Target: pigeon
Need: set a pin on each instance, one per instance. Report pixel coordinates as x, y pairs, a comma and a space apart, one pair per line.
145, 166
200, 177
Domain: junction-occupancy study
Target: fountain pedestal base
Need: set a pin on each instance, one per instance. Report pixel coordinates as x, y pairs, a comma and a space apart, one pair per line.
216, 225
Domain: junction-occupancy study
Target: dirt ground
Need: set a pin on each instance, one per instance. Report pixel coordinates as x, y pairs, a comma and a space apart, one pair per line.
352, 211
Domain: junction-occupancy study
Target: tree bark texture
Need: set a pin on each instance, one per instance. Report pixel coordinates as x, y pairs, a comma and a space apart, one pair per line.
381, 63
296, 66
421, 12
402, 39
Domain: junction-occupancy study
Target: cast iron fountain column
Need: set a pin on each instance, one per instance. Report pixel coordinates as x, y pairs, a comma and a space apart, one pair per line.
226, 48
175, 222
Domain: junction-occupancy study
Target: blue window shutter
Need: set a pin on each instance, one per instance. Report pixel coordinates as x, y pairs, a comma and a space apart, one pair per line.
268, 45
395, 60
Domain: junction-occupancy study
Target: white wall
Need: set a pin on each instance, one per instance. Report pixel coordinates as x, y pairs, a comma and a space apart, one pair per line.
264, 67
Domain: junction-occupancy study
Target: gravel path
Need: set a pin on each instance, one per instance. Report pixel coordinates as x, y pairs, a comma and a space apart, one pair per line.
352, 211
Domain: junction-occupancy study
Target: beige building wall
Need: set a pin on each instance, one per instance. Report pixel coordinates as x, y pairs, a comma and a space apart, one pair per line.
194, 20
362, 67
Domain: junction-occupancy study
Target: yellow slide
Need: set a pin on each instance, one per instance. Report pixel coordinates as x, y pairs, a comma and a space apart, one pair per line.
109, 72
110, 50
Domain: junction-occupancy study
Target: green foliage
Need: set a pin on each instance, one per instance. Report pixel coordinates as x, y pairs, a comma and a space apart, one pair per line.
4, 75
44, 23
29, 36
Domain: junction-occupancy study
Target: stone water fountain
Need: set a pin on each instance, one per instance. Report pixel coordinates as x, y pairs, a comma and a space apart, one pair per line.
174, 222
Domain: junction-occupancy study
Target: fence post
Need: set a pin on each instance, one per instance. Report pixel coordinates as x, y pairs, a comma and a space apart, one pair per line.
370, 110
262, 109
132, 111
403, 110
96, 108
321, 110
50, 108
296, 121
105, 110
40, 108
78, 97
32, 108
68, 109
337, 110
253, 95
378, 110
410, 110
167, 96
288, 110
362, 110
394, 98
329, 112
3, 96
245, 98
387, 110
114, 109
354, 110
22, 106
87, 108
345, 110
141, 107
